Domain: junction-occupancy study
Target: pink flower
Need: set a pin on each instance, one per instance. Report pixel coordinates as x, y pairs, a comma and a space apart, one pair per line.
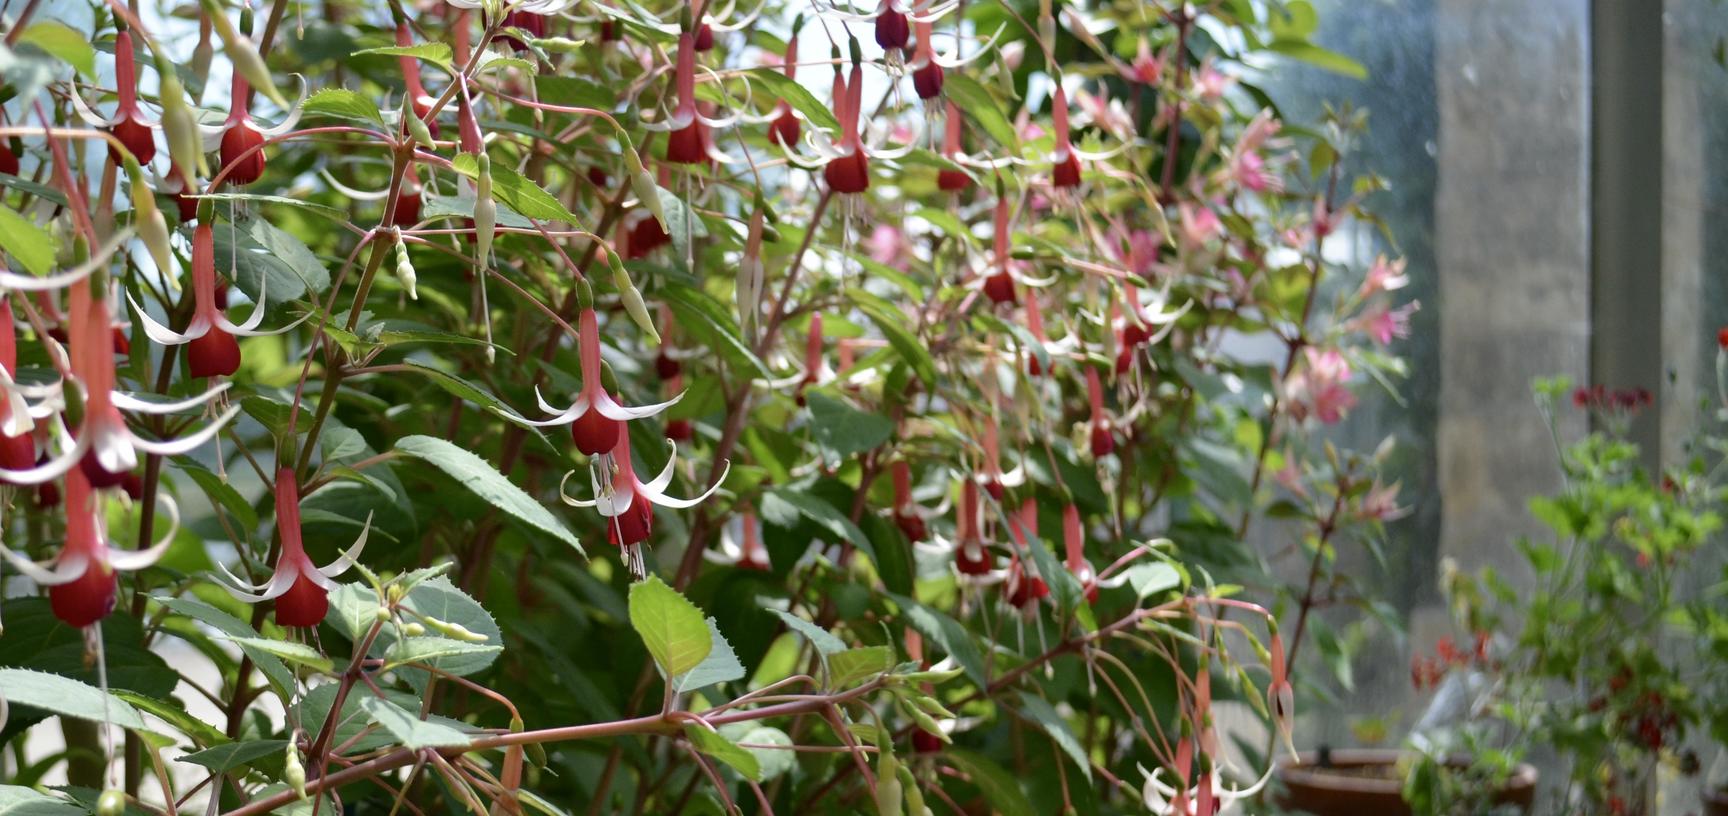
1248, 170
1141, 253
1384, 324
1384, 276
1147, 68
1199, 224
1108, 114
1380, 503
1319, 389
1210, 82
888, 247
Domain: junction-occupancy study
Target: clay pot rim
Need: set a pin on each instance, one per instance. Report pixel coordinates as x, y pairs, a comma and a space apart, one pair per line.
1302, 772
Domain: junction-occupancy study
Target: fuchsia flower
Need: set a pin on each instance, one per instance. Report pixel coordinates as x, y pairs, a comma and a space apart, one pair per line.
927, 76
128, 124
300, 588
888, 246
741, 544
971, 557
1210, 83
688, 141
893, 31
949, 180
1385, 324
1319, 387
1380, 503
908, 517
628, 503
992, 479
596, 420
211, 349
1065, 163
1147, 68
1103, 441
785, 128
849, 170
1073, 545
1108, 114
17, 442
1383, 276
1024, 588
240, 133
81, 581
104, 447
1198, 225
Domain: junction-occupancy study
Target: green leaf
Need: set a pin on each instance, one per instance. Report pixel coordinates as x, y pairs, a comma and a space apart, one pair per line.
516, 191
438, 598
842, 431
435, 53
343, 104
671, 627
720, 666
409, 729
16, 800
260, 198
487, 483
773, 761
171, 712
297, 653
427, 649
723, 749
824, 641
269, 664
1320, 57
574, 92
62, 41
971, 97
223, 758
848, 667
1053, 724
66, 697
1152, 578
33, 246
947, 634
893, 324
796, 95
462, 206
267, 258
711, 322
219, 492
998, 786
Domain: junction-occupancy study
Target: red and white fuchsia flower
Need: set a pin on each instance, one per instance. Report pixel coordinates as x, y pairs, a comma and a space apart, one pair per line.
1320, 386
241, 139
81, 579
211, 350
627, 503
596, 420
127, 124
300, 588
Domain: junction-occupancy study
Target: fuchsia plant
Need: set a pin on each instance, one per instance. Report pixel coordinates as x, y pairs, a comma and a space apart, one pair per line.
638, 206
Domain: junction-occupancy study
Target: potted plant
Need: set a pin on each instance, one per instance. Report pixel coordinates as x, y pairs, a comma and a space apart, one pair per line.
1598, 660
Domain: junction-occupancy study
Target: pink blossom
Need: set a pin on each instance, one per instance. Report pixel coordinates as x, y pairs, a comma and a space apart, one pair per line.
1380, 503
1147, 68
888, 247
1211, 83
1108, 114
1384, 276
1141, 253
1383, 324
1320, 387
1290, 476
1199, 224
1248, 170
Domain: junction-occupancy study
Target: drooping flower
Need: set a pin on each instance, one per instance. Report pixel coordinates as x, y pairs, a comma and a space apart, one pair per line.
991, 478
17, 442
300, 588
1383, 276
785, 128
687, 129
127, 124
596, 420
888, 246
1385, 324
242, 139
1319, 387
1103, 441
627, 503
103, 446
909, 516
211, 350
849, 170
1024, 588
1065, 163
971, 556
927, 76
1074, 550
893, 30
950, 180
1147, 68
1211, 83
1380, 503
81, 579
741, 544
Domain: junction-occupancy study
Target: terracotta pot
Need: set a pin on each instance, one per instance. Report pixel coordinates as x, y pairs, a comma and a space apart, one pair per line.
1344, 789
1715, 801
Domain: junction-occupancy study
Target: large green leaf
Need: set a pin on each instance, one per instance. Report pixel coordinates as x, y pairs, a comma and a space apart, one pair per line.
720, 666
16, 800
516, 191
436, 53
66, 697
796, 95
269, 664
842, 431
947, 634
846, 668
824, 641
976, 102
343, 104
234, 754
1041, 712
61, 40
487, 483
671, 627
723, 749
267, 258
408, 728
32, 246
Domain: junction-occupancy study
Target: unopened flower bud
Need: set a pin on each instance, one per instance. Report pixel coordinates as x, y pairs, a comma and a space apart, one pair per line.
631, 297
417, 129
412, 629
111, 803
185, 146
643, 185
405, 270
293, 772
243, 53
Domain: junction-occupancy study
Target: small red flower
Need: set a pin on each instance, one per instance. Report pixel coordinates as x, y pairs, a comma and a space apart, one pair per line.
9, 165
1721, 334
893, 30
